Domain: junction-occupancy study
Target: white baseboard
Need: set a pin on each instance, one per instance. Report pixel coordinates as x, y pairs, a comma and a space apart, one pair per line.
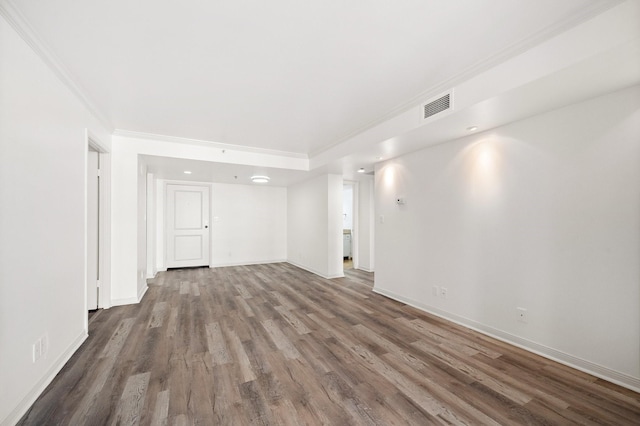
130, 300
365, 269
313, 271
142, 292
126, 301
42, 384
572, 361
245, 263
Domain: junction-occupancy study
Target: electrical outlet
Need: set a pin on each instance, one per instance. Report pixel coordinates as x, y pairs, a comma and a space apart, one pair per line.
522, 315
37, 350
443, 292
40, 348
435, 290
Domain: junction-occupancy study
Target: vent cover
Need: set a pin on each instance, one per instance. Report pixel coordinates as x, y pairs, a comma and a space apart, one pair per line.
437, 105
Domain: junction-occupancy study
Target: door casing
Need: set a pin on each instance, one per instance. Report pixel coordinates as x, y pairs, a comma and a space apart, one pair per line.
187, 232
94, 143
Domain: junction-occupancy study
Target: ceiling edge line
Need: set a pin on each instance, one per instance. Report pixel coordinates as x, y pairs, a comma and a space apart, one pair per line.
26, 32
212, 144
509, 52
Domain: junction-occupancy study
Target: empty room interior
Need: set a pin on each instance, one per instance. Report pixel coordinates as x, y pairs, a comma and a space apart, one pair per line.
322, 212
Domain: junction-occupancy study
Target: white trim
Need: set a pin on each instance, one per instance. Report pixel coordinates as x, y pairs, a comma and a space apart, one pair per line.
105, 230
92, 140
131, 300
246, 263
142, 292
85, 231
185, 182
331, 277
151, 214
514, 49
35, 392
364, 269
28, 34
159, 260
14, 17
583, 365
355, 221
125, 301
221, 145
97, 143
313, 271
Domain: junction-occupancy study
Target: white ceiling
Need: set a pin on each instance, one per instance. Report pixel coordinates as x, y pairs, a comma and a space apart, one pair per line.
308, 77
287, 75
205, 171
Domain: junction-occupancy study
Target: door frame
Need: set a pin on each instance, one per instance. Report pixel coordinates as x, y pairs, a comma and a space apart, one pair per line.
163, 227
104, 226
93, 228
355, 231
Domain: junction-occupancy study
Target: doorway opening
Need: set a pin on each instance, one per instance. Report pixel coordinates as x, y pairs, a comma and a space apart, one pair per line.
97, 226
349, 223
93, 228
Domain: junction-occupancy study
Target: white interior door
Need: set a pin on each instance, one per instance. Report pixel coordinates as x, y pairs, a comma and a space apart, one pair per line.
93, 226
187, 242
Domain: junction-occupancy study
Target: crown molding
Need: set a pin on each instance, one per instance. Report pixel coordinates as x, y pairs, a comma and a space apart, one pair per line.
200, 142
13, 16
511, 51
15, 19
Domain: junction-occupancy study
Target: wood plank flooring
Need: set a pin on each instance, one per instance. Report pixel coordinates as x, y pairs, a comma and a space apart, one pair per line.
276, 345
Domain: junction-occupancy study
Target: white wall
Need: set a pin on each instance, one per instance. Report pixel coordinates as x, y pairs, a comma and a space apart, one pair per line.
542, 214
124, 223
151, 216
347, 206
334, 226
142, 230
127, 283
366, 223
250, 224
314, 225
42, 221
160, 225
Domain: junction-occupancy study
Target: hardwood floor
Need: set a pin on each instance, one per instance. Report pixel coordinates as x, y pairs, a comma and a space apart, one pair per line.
273, 344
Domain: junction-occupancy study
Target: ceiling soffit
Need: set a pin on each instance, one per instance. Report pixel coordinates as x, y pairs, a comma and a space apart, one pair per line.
15, 18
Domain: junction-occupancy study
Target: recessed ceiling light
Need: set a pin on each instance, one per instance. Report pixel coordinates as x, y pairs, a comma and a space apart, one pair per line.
260, 179
472, 128
187, 172
361, 170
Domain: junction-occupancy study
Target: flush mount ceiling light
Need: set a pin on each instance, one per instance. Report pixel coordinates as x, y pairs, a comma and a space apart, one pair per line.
472, 128
361, 170
260, 179
187, 172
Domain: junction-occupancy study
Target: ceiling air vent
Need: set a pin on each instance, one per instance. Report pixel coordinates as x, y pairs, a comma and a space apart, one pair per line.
437, 105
